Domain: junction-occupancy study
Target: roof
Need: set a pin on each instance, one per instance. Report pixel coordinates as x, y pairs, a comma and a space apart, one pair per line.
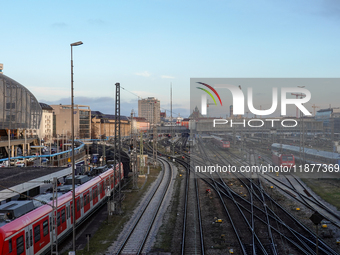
45, 106
312, 152
101, 115
23, 115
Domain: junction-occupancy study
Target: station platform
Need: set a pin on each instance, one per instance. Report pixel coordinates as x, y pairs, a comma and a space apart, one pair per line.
26, 180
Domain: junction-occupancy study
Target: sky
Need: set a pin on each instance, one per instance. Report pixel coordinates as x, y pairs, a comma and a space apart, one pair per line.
148, 45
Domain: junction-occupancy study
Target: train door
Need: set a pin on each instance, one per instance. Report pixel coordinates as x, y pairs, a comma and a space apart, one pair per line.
87, 204
29, 240
61, 220
78, 209
101, 190
94, 195
111, 181
41, 236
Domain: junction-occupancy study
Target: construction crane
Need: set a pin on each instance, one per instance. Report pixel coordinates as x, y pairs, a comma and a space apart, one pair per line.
208, 107
297, 96
314, 106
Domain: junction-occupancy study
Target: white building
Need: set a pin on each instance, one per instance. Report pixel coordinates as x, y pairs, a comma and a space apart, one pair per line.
146, 109
46, 124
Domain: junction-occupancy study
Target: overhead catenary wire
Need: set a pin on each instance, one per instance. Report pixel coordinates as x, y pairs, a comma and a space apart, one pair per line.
139, 97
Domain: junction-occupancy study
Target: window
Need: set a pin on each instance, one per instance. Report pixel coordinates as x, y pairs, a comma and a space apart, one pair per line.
31, 237
78, 205
27, 242
45, 227
68, 212
37, 234
20, 245
58, 219
63, 216
10, 246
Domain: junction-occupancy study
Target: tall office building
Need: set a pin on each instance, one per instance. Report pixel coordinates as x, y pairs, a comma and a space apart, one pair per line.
146, 109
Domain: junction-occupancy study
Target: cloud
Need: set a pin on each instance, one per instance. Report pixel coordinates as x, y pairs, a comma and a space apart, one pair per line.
59, 25
145, 74
167, 77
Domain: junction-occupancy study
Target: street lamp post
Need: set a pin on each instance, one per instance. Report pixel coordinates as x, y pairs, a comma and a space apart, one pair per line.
73, 170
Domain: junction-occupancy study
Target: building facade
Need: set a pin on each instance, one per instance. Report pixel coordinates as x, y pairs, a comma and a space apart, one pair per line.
46, 123
63, 123
146, 108
330, 119
103, 125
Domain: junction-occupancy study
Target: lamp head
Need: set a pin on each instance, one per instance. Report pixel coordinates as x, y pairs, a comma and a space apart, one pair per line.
76, 43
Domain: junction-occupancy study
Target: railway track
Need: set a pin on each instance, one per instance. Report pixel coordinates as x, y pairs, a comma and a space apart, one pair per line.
260, 224
134, 238
192, 232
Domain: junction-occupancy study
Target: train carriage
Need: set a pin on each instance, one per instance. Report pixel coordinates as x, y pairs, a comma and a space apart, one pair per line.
312, 156
31, 233
221, 142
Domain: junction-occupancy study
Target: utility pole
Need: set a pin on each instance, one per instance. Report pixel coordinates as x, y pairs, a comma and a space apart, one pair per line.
172, 129
54, 233
118, 143
297, 96
104, 145
133, 155
155, 136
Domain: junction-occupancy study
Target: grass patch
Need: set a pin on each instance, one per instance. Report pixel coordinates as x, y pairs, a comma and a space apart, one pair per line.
327, 189
110, 230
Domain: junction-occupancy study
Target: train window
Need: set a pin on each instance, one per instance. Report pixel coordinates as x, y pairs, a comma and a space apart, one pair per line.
58, 219
63, 216
37, 234
81, 202
290, 158
27, 242
284, 158
78, 205
45, 228
67, 212
10, 246
87, 198
50, 224
20, 245
31, 237
90, 195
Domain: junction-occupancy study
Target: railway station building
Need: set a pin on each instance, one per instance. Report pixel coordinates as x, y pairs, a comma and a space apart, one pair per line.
20, 116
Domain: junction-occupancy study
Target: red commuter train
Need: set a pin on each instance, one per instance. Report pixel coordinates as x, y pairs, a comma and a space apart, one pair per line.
31, 233
221, 142
283, 159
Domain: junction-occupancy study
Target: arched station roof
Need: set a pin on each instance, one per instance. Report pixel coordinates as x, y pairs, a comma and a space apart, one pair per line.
18, 106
